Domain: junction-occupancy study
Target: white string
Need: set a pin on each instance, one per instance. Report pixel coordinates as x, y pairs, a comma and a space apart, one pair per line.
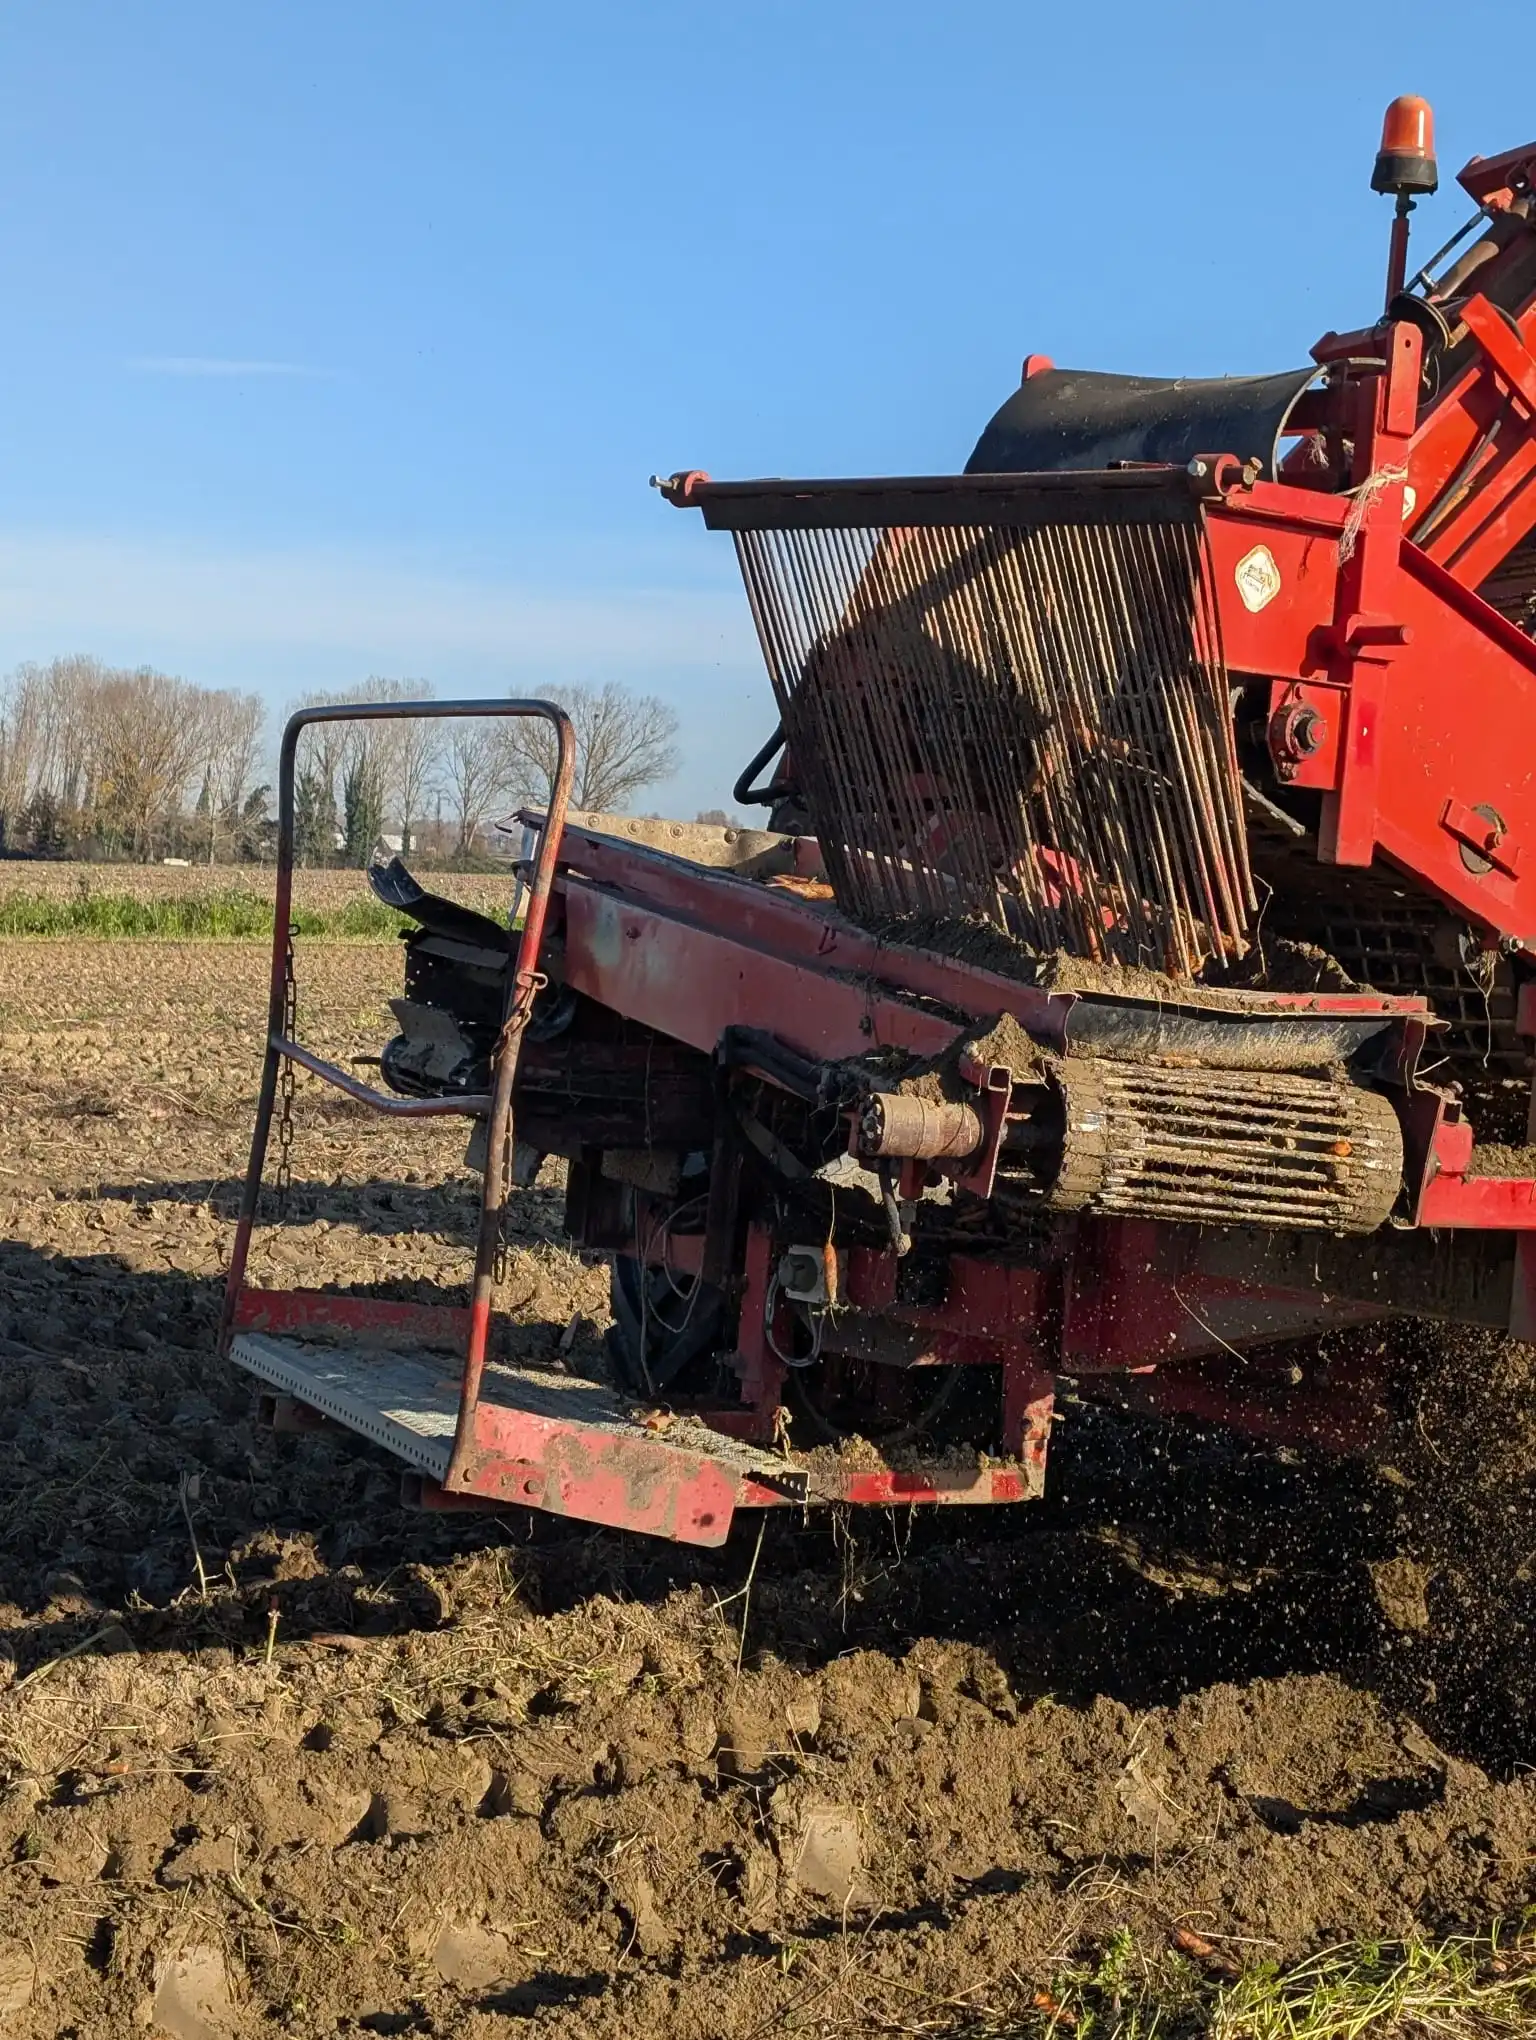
1365, 496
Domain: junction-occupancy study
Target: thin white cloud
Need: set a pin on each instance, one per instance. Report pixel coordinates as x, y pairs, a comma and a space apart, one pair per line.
217, 365
58, 589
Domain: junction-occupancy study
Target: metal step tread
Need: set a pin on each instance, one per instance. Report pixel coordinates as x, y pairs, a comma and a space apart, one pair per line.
408, 1402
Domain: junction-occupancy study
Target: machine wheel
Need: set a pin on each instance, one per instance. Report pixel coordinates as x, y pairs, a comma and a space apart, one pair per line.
672, 1320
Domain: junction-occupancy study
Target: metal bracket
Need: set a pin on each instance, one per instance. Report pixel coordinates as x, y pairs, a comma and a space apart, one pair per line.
1484, 838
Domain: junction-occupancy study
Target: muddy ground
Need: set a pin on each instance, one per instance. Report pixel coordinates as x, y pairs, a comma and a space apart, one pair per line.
278, 1756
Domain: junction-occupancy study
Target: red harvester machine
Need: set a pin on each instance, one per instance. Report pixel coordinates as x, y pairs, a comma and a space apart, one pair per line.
1139, 972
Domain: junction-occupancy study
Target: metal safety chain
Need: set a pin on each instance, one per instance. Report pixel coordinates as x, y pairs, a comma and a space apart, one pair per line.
285, 1081
525, 992
529, 985
504, 1163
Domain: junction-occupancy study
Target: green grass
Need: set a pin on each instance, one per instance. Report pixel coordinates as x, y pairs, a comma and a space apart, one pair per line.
215, 916
1473, 1987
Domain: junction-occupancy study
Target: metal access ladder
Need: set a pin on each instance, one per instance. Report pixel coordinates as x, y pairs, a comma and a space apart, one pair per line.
418, 1379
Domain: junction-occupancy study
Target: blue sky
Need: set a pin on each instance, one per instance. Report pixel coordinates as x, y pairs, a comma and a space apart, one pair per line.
341, 338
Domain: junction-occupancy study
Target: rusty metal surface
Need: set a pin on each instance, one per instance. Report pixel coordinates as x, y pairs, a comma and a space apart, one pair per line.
1022, 722
693, 983
889, 1487
464, 1103
1224, 1028
572, 1447
550, 1441
893, 1123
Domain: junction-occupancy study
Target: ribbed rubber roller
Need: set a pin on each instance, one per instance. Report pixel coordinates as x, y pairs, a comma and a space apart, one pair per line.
1215, 1147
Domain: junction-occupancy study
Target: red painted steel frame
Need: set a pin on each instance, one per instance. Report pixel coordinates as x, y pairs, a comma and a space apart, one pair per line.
692, 982
522, 990
1427, 697
526, 984
1423, 731
503, 1455
628, 1483
1128, 1294
1425, 700
692, 952
753, 921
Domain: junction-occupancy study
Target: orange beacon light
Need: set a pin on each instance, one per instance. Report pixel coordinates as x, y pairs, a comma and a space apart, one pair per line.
1406, 160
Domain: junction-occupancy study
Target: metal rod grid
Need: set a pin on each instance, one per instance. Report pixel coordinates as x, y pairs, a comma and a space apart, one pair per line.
1026, 724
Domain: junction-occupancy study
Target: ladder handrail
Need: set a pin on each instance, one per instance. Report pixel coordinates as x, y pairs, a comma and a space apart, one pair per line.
522, 988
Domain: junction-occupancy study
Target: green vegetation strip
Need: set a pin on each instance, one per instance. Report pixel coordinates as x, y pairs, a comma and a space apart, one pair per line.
1470, 1987
214, 916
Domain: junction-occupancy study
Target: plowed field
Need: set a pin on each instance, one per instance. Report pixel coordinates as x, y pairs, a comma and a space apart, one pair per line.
278, 1756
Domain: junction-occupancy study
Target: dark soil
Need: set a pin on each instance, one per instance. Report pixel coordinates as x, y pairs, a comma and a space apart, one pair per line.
279, 1756
1494, 1158
1274, 965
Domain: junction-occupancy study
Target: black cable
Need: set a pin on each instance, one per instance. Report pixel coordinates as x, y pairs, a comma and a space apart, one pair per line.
744, 793
884, 1441
752, 1049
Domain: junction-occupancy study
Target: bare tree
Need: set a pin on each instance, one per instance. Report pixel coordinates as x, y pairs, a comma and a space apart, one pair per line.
90, 752
233, 725
62, 703
410, 754
75, 689
373, 748
476, 769
21, 738
149, 734
319, 763
401, 758
624, 742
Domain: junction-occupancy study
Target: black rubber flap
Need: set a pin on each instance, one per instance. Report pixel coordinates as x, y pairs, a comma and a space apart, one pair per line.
397, 888
1068, 419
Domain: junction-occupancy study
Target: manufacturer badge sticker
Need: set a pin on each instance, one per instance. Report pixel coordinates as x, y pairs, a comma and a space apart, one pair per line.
1258, 578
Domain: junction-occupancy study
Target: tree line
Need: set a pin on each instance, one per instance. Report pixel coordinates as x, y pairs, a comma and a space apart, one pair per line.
110, 762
